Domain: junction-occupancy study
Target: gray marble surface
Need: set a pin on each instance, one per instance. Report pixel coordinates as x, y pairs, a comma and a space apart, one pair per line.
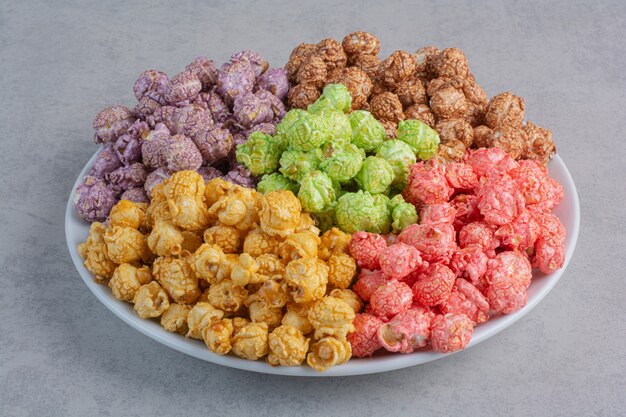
62, 353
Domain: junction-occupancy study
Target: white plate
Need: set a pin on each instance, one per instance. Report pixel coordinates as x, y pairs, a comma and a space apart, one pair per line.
76, 231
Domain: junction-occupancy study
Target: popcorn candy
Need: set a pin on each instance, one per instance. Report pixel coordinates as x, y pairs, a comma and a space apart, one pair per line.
228, 238
375, 176
125, 245
127, 214
342, 162
201, 316
227, 296
498, 200
273, 293
399, 260
391, 298
297, 316
287, 346
505, 109
421, 138
177, 278
492, 160
280, 213
333, 242
295, 165
150, 300
214, 145
328, 352
539, 145
357, 211
165, 239
364, 339
360, 43
174, 319
342, 269
217, 336
151, 81
276, 182
258, 243
334, 97
349, 296
450, 332
251, 341
111, 123
275, 81
440, 213
470, 262
106, 161
460, 176
480, 234
308, 278
411, 92
299, 245
358, 84
434, 285
244, 272
235, 79
258, 64
317, 192
466, 299
206, 260
136, 195
299, 54
302, 95
387, 106
427, 184
261, 153
126, 177
331, 316
400, 156
93, 199
399, 66
312, 72
549, 253
127, 279
436, 243
366, 249
405, 332
403, 214
519, 234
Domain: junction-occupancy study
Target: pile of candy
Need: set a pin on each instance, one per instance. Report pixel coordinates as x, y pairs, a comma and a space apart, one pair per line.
192, 121
340, 165
484, 224
247, 273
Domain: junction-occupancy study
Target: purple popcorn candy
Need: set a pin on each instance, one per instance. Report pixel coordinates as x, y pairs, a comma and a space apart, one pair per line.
127, 177
139, 129
250, 109
136, 195
277, 106
256, 61
240, 175
151, 81
205, 70
183, 86
155, 178
235, 79
214, 103
275, 81
128, 149
192, 118
111, 123
209, 173
267, 128
154, 145
182, 154
165, 115
148, 105
93, 199
106, 161
214, 144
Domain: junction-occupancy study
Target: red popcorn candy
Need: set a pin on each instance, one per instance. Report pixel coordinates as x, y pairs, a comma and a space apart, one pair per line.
365, 248
481, 235
509, 266
427, 184
450, 332
536, 186
364, 338
391, 298
520, 234
367, 282
506, 297
399, 260
434, 285
466, 299
405, 332
471, 263
436, 243
461, 176
499, 200
466, 206
549, 251
438, 213
487, 160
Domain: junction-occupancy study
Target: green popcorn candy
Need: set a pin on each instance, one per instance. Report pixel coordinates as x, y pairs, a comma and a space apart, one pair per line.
420, 137
260, 153
367, 132
275, 182
308, 132
317, 192
334, 96
400, 156
375, 176
342, 162
338, 125
295, 165
356, 211
288, 120
382, 221
403, 214
326, 219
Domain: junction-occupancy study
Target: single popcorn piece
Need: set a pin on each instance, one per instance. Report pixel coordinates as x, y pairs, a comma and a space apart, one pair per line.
183, 86
333, 242
261, 153
299, 54
539, 144
331, 316
309, 132
342, 269
332, 53
127, 177
471, 263
127, 279
295, 165
549, 253
165, 239
185, 184
400, 156
488, 161
250, 109
448, 102
348, 296
238, 208
257, 243
271, 266
297, 315
280, 213
421, 138
466, 299
375, 176
366, 248
520, 234
312, 72
461, 176
405, 332
217, 336
506, 297
94, 251
276, 182
436, 243
440, 213
360, 43
299, 245
106, 161
302, 96
177, 278
188, 213
403, 214
391, 298
205, 70
235, 79
358, 211
256, 61
215, 144
509, 266
369, 64
274, 293
334, 97
228, 238
287, 346
480, 234
451, 332
136, 195
275, 81
450, 151
151, 300
342, 162
111, 123
317, 192
126, 245
174, 319
206, 260
227, 296
251, 341
539, 190
421, 112
427, 184
387, 106
499, 200
150, 81
244, 272
308, 278
505, 109
328, 352
397, 68
399, 260
434, 285
364, 339
368, 282
357, 82
216, 189
93, 200
127, 214
381, 223
411, 92
201, 316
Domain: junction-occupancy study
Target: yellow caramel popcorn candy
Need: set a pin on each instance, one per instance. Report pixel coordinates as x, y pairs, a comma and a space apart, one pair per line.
127, 214
238, 323
299, 245
261, 312
215, 189
151, 300
125, 245
177, 278
188, 213
331, 316
250, 341
259, 243
94, 252
200, 316
287, 346
158, 192
165, 239
185, 184
127, 279
206, 260
307, 222
271, 266
191, 241
226, 267
174, 319
308, 278
328, 352
333, 242
274, 293
239, 208
158, 211
297, 315
217, 336
227, 296
226, 237
341, 270
280, 213
349, 297
244, 272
